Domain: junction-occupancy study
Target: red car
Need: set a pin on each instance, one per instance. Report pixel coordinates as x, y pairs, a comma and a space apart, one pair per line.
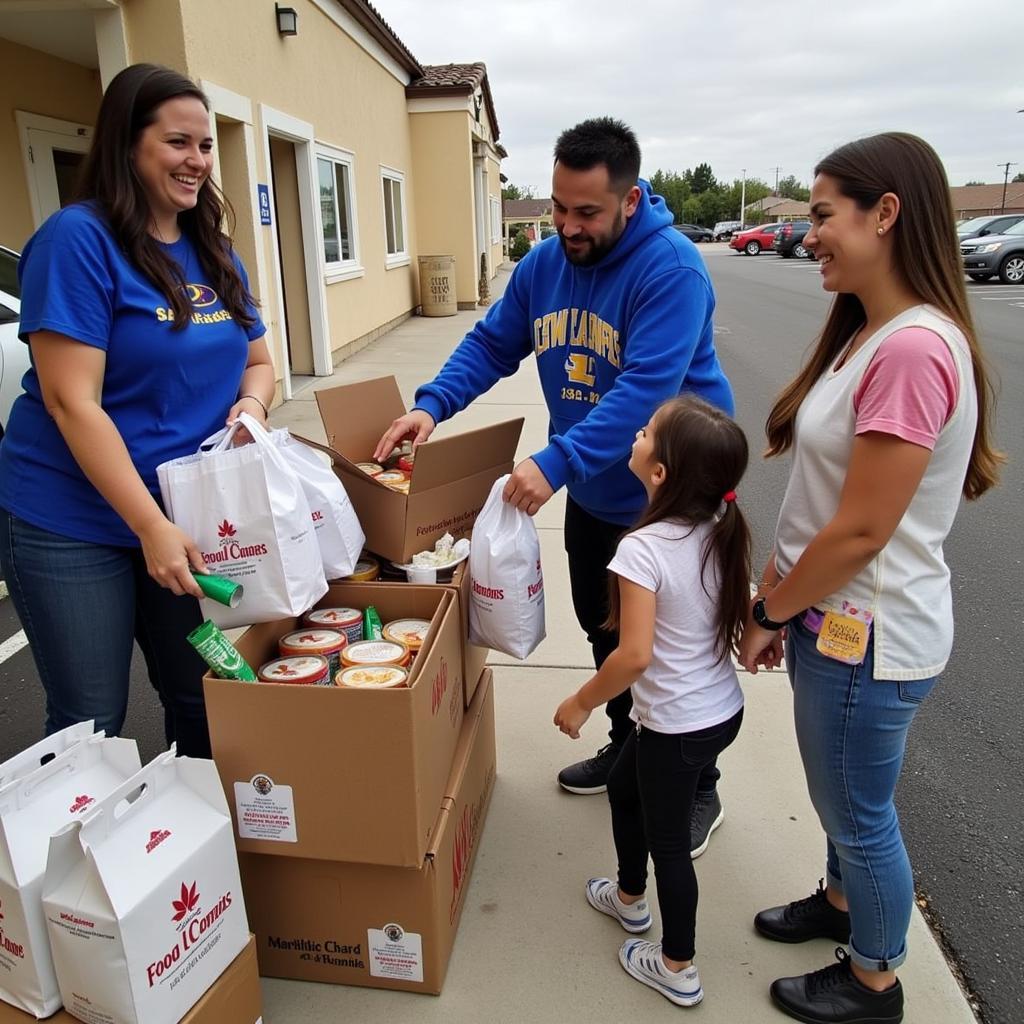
754, 240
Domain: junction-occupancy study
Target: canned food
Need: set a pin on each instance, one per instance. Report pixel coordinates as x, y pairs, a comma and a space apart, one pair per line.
411, 632
366, 569
372, 677
328, 643
375, 652
402, 486
370, 468
391, 477
348, 621
406, 463
306, 670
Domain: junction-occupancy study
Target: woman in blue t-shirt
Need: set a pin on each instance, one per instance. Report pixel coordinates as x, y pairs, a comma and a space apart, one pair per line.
145, 340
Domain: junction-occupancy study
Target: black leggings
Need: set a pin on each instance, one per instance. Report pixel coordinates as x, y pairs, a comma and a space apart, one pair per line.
651, 790
590, 544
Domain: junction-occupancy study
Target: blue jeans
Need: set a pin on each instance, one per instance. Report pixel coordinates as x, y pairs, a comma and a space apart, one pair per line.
852, 731
81, 605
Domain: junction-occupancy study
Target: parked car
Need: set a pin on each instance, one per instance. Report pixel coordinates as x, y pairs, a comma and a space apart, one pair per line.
996, 254
753, 240
979, 227
789, 239
725, 229
13, 352
694, 232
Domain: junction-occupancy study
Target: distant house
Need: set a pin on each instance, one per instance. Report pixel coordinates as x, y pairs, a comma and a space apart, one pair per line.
533, 215
773, 209
979, 200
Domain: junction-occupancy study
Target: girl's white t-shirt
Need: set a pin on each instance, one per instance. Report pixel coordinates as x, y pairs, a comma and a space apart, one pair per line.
684, 688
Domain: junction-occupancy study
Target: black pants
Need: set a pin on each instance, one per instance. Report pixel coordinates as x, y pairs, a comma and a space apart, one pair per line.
653, 779
590, 544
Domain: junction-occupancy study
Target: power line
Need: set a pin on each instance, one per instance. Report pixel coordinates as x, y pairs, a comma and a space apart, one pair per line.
1006, 178
776, 170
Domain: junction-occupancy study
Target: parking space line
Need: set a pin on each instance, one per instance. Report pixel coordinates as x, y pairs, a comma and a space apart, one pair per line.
12, 645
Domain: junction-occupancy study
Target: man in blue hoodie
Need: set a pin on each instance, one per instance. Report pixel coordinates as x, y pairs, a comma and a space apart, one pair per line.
617, 310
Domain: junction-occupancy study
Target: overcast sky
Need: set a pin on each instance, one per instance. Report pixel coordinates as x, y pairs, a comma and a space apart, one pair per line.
739, 83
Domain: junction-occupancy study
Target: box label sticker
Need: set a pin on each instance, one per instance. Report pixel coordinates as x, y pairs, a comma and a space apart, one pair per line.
265, 810
395, 953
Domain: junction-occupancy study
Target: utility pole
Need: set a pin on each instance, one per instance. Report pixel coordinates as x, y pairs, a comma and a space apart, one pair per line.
743, 199
776, 170
1006, 177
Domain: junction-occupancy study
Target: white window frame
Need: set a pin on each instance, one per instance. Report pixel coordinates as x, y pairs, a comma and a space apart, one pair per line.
495, 220
400, 258
342, 269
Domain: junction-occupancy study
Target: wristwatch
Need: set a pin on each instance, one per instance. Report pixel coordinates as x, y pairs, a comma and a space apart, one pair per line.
761, 617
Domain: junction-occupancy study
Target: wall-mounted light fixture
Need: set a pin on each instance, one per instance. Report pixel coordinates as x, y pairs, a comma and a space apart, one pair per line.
287, 20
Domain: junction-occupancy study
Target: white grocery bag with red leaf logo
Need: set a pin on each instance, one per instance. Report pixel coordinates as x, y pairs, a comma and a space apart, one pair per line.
506, 606
143, 899
247, 512
338, 532
34, 804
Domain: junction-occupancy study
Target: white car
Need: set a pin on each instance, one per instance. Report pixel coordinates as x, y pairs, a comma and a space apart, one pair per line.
14, 359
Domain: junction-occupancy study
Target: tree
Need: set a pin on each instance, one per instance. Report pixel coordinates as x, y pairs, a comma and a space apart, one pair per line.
966, 183
793, 189
702, 180
511, 191
519, 246
1018, 178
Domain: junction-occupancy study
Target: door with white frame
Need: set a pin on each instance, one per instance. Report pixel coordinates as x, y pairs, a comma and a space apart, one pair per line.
53, 152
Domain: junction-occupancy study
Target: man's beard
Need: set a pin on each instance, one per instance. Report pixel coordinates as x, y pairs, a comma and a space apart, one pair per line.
596, 249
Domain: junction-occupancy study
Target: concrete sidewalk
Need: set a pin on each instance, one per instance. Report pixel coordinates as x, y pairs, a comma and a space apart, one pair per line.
529, 948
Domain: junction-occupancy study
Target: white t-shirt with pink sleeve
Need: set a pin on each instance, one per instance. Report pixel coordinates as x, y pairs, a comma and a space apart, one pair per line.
912, 379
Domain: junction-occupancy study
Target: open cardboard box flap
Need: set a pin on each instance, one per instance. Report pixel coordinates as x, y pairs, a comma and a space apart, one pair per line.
356, 415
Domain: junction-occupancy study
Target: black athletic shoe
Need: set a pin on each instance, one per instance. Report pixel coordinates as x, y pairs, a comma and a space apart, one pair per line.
591, 775
833, 995
810, 918
705, 816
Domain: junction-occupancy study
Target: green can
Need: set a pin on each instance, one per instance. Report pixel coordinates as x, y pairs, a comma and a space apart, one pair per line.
220, 588
220, 653
373, 628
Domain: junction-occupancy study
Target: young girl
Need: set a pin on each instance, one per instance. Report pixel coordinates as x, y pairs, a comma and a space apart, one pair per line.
679, 595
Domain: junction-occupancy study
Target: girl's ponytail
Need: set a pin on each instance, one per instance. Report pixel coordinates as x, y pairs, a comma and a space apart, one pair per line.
728, 551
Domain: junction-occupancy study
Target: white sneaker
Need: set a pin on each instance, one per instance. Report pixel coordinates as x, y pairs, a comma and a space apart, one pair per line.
603, 895
642, 960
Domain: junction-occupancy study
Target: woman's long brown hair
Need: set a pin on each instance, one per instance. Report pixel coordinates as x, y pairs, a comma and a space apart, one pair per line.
109, 181
705, 454
926, 254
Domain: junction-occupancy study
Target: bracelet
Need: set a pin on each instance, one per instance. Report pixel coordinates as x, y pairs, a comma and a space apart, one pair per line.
266, 411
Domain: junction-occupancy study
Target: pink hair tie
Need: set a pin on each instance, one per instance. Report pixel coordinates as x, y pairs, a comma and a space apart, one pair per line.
729, 496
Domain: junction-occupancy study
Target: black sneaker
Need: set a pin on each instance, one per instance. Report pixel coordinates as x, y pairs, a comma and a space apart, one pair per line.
833, 995
705, 816
591, 775
810, 918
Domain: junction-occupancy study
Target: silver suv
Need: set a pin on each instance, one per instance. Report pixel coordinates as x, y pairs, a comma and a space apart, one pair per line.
996, 254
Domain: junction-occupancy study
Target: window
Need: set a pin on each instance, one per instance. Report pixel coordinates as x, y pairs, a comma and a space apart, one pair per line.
337, 206
393, 183
495, 220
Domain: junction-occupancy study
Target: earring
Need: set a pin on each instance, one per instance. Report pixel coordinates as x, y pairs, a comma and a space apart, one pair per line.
881, 231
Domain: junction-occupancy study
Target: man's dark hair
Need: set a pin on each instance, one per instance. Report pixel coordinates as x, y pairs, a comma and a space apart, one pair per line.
601, 140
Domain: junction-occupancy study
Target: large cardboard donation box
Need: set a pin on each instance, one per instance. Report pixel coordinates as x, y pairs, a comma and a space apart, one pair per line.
37, 801
450, 481
143, 899
333, 773
376, 926
234, 998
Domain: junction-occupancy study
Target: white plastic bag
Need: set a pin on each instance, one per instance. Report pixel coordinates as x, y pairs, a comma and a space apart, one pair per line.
338, 532
247, 512
506, 607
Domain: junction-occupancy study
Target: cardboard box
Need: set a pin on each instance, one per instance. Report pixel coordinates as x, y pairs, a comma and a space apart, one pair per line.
381, 927
234, 998
338, 774
451, 480
143, 898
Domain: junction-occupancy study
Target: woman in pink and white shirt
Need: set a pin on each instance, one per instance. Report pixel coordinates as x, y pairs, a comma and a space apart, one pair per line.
888, 424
